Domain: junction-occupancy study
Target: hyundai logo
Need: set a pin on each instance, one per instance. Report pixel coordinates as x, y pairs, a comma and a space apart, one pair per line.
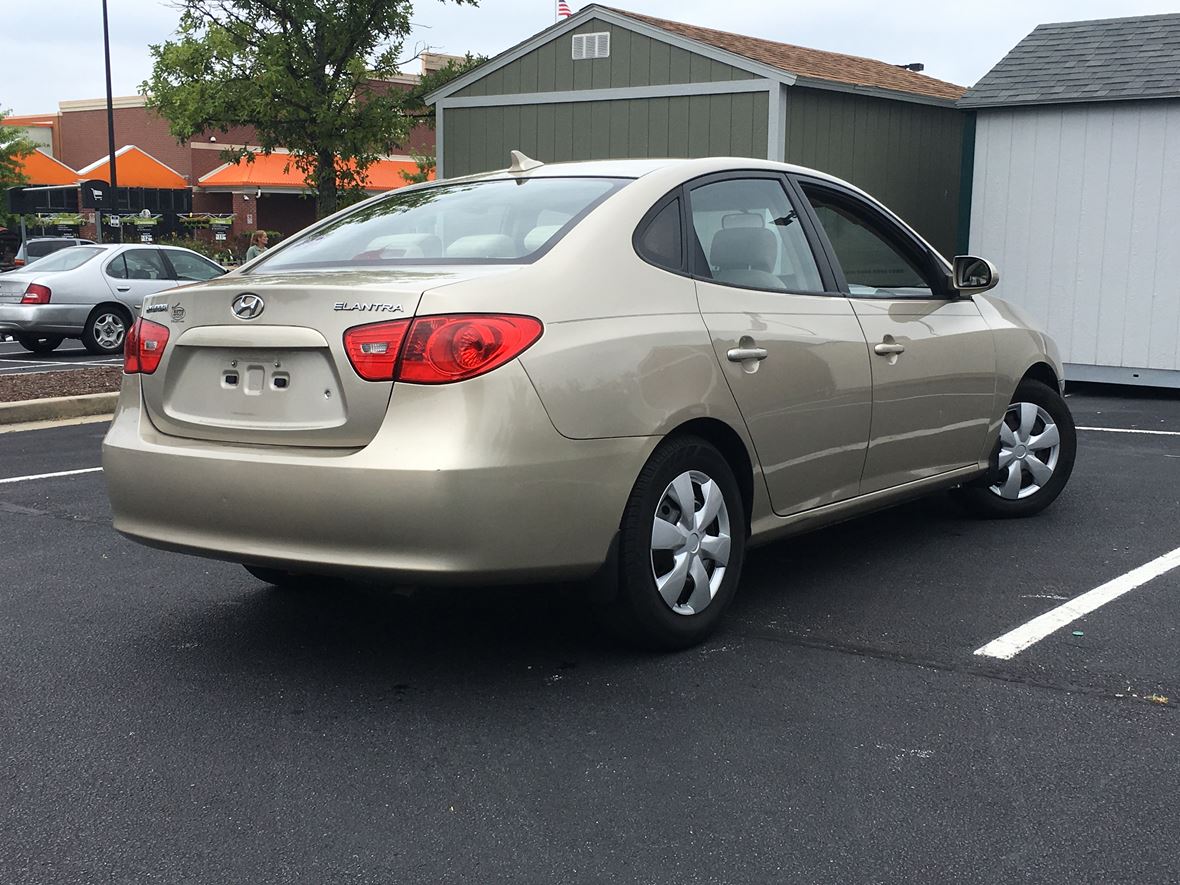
247, 306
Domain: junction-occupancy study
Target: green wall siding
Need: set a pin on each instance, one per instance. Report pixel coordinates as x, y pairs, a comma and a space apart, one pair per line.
906, 155
635, 60
479, 139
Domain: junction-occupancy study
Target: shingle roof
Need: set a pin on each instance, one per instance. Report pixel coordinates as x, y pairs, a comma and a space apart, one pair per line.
815, 64
1104, 60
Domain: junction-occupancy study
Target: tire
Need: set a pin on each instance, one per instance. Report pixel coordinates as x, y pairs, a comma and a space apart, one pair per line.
681, 614
106, 330
284, 580
40, 343
1027, 472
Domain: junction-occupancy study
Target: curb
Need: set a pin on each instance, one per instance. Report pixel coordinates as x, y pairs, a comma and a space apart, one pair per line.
56, 408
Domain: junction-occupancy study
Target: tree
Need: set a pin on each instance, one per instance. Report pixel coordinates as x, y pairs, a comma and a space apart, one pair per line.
14, 146
305, 74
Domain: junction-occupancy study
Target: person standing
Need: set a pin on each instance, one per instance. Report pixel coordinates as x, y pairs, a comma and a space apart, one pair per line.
257, 245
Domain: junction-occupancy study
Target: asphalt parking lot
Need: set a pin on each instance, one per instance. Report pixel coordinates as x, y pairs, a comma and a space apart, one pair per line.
170, 719
15, 360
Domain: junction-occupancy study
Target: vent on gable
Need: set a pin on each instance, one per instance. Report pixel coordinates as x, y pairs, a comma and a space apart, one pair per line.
591, 46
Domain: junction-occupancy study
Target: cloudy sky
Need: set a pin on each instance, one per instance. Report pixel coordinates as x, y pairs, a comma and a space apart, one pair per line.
53, 50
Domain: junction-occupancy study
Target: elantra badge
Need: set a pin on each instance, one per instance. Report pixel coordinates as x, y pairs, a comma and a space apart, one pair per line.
376, 308
248, 306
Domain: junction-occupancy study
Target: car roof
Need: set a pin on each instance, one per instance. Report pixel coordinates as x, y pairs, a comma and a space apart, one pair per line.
640, 167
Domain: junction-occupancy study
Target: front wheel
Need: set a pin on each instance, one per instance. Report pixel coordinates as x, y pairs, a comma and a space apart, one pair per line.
682, 541
1033, 458
39, 343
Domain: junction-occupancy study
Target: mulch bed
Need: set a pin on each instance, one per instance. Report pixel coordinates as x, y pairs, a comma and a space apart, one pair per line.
67, 382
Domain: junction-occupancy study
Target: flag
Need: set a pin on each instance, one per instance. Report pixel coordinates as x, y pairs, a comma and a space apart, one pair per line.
563, 9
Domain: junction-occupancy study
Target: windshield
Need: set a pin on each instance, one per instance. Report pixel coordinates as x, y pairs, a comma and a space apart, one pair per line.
65, 259
503, 221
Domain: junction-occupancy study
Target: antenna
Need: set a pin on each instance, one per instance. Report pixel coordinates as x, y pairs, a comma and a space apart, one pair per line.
521, 163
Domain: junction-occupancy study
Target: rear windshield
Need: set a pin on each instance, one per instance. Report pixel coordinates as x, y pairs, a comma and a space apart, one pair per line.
40, 248
65, 259
503, 221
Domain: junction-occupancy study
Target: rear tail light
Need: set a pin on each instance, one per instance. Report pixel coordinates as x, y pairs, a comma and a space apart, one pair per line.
373, 349
439, 349
144, 347
36, 294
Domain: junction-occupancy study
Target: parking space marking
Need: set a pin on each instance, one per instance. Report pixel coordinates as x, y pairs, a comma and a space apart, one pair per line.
11, 479
1132, 430
1015, 641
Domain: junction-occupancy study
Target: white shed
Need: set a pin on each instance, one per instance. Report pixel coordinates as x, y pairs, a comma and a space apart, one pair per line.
1076, 191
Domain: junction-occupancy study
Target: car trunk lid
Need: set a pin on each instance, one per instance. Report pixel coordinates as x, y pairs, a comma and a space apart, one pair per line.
281, 376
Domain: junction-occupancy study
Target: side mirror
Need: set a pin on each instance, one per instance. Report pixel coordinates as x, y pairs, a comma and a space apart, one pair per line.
974, 274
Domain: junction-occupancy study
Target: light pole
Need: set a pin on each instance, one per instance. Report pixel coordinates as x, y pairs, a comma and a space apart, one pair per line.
114, 182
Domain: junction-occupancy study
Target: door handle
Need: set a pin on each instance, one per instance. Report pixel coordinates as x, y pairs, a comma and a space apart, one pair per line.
122, 288
889, 349
741, 354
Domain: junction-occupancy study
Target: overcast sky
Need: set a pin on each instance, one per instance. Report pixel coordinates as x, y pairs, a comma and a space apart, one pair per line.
53, 50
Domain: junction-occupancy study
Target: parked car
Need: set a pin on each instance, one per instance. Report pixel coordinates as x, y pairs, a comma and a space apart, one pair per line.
92, 292
624, 371
38, 247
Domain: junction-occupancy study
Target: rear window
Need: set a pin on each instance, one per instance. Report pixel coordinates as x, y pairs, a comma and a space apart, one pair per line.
66, 259
40, 248
504, 221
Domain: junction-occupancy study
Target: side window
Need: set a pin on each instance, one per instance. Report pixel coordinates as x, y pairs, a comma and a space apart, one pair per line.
749, 235
145, 264
874, 265
117, 268
190, 267
660, 242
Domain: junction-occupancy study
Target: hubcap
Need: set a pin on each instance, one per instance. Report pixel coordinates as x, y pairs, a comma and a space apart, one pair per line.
1029, 447
690, 542
109, 331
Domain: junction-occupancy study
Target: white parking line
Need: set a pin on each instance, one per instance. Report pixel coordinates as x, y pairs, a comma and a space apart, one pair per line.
1015, 641
1133, 430
49, 475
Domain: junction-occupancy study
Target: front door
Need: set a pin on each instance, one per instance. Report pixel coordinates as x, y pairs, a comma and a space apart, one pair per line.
932, 354
791, 350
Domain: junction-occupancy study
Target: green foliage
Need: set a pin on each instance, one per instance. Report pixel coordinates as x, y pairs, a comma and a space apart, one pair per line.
14, 145
416, 99
301, 72
426, 164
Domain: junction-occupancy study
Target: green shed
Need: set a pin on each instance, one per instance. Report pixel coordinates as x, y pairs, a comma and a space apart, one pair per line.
607, 83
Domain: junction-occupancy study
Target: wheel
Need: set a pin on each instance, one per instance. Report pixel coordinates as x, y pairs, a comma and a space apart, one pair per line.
681, 545
1033, 458
282, 579
105, 330
40, 343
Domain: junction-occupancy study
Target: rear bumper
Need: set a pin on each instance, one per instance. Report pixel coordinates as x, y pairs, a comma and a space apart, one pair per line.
45, 319
462, 484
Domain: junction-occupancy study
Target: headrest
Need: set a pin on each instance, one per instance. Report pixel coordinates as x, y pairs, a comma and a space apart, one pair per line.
482, 246
539, 236
750, 248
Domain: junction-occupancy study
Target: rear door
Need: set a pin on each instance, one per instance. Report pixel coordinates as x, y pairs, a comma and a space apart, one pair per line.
932, 355
133, 274
791, 349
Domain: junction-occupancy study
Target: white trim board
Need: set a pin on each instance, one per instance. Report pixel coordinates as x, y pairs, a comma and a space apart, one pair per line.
610, 17
722, 87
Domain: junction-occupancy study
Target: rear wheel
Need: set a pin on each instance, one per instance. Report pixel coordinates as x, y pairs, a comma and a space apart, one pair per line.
681, 546
1033, 458
40, 343
106, 329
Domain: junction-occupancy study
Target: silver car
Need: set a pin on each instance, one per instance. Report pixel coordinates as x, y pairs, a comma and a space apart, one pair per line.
628, 371
92, 292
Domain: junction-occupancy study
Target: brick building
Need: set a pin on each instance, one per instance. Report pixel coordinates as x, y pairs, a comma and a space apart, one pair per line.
76, 136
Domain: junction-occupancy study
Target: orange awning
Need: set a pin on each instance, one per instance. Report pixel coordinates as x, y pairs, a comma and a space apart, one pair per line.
136, 168
40, 168
279, 172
